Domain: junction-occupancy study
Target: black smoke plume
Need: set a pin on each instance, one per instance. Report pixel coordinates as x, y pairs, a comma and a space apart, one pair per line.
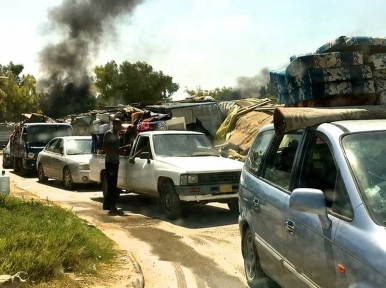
65, 65
250, 87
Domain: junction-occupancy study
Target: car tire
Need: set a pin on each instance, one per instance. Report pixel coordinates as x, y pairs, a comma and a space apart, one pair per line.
104, 184
233, 205
67, 179
256, 278
41, 176
170, 202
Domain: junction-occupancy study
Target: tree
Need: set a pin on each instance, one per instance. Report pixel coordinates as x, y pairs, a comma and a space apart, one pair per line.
130, 83
17, 93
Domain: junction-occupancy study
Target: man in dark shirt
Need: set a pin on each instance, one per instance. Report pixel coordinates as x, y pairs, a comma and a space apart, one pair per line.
111, 146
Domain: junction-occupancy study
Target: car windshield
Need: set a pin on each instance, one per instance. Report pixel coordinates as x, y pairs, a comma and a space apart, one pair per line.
44, 133
78, 146
183, 145
366, 154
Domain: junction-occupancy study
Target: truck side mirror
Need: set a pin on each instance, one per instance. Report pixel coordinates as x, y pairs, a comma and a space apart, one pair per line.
145, 155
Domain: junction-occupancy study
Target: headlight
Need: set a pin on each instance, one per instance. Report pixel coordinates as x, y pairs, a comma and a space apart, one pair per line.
188, 179
83, 166
30, 155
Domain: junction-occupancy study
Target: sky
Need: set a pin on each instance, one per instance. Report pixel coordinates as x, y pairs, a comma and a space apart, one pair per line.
200, 43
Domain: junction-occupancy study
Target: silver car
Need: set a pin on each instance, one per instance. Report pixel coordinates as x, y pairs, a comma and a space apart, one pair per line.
313, 206
66, 159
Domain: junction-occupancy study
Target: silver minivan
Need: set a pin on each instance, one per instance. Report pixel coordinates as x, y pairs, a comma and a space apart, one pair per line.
313, 206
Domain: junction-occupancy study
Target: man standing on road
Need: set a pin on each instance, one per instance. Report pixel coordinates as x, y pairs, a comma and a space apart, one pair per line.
111, 146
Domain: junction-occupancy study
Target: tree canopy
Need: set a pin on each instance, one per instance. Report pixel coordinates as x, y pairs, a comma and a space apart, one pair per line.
17, 93
130, 83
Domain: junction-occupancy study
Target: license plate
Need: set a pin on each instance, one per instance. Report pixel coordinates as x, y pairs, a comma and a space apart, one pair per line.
225, 188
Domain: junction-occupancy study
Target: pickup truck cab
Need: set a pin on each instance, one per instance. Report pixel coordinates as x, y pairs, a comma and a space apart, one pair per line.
313, 206
178, 167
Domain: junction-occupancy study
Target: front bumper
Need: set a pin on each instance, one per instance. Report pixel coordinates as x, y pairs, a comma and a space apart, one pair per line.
80, 177
207, 192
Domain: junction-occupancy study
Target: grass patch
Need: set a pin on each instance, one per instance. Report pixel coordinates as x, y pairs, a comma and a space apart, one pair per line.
47, 241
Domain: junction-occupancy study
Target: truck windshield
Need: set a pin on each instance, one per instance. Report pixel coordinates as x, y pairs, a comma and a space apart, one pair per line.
183, 145
44, 133
366, 154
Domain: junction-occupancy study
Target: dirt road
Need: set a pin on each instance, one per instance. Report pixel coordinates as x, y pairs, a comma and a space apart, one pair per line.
202, 250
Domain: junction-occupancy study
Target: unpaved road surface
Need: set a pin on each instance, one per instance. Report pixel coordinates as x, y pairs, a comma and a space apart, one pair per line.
202, 250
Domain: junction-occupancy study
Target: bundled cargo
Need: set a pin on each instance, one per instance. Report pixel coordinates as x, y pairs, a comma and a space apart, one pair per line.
344, 72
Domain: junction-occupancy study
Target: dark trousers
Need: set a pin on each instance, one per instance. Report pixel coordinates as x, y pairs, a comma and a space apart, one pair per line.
112, 194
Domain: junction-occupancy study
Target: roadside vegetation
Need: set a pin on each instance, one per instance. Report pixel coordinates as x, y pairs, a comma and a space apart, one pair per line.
50, 243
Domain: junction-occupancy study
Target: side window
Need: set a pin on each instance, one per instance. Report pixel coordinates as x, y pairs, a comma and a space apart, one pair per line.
59, 146
320, 172
51, 145
143, 145
280, 160
257, 152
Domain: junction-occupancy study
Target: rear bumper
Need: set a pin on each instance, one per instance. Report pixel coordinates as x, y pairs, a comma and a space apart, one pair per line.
29, 164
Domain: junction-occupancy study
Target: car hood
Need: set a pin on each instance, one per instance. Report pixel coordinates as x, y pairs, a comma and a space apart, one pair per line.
203, 164
82, 158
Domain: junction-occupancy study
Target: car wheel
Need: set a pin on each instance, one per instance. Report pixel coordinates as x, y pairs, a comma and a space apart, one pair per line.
67, 179
171, 203
256, 278
104, 184
233, 205
41, 176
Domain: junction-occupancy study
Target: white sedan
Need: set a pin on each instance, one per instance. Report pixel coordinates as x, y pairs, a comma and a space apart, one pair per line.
66, 159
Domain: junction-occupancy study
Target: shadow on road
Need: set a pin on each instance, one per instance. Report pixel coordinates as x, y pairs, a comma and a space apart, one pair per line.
199, 215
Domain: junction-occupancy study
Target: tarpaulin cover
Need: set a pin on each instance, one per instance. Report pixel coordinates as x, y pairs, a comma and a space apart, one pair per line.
287, 119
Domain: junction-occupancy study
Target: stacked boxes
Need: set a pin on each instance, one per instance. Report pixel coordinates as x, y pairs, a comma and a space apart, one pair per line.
346, 68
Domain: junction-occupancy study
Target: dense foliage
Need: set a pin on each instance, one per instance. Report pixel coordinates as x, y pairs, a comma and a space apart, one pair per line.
132, 83
18, 93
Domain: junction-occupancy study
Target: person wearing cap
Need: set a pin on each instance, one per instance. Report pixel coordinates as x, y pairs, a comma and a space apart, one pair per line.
112, 149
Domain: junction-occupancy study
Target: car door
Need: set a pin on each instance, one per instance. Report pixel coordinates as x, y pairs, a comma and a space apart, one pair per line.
265, 193
57, 160
310, 246
277, 174
45, 157
140, 174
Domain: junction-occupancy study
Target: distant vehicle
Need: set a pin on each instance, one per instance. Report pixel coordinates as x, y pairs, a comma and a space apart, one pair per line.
313, 206
7, 160
66, 159
30, 140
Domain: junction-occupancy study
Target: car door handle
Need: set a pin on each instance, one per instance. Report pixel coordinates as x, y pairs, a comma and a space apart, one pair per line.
256, 203
290, 226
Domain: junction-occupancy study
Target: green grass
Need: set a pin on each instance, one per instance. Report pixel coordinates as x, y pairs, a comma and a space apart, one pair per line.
45, 241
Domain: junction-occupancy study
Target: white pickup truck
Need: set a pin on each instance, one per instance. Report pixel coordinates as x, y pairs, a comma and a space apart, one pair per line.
179, 168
